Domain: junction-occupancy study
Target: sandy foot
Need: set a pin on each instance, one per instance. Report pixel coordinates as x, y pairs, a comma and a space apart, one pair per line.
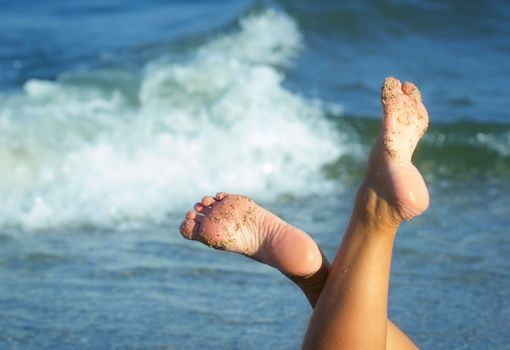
389, 169
237, 224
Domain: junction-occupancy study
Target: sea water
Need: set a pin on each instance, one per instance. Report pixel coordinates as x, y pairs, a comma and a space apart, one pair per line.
117, 116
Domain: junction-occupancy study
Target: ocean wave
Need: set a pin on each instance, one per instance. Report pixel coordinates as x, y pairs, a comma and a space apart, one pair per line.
109, 147
448, 150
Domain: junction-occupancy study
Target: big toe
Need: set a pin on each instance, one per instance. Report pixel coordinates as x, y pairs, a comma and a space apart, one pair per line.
189, 227
390, 89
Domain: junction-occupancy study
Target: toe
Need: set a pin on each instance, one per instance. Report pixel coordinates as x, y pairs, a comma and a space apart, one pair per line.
412, 91
208, 200
199, 207
220, 195
191, 215
390, 89
189, 227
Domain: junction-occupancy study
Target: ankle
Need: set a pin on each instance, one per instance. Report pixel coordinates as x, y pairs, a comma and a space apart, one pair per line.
374, 209
312, 284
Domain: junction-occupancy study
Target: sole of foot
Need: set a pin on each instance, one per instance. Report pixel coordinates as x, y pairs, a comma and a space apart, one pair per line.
237, 224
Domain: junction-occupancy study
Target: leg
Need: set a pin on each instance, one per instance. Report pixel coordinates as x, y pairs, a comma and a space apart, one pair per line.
235, 223
312, 287
351, 312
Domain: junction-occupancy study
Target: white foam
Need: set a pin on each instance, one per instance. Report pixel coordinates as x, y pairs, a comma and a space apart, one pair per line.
499, 143
88, 154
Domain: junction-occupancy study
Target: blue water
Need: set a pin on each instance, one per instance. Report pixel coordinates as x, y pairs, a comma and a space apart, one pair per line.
116, 116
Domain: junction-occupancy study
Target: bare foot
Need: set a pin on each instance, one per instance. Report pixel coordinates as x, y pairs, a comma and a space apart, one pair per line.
236, 224
389, 170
